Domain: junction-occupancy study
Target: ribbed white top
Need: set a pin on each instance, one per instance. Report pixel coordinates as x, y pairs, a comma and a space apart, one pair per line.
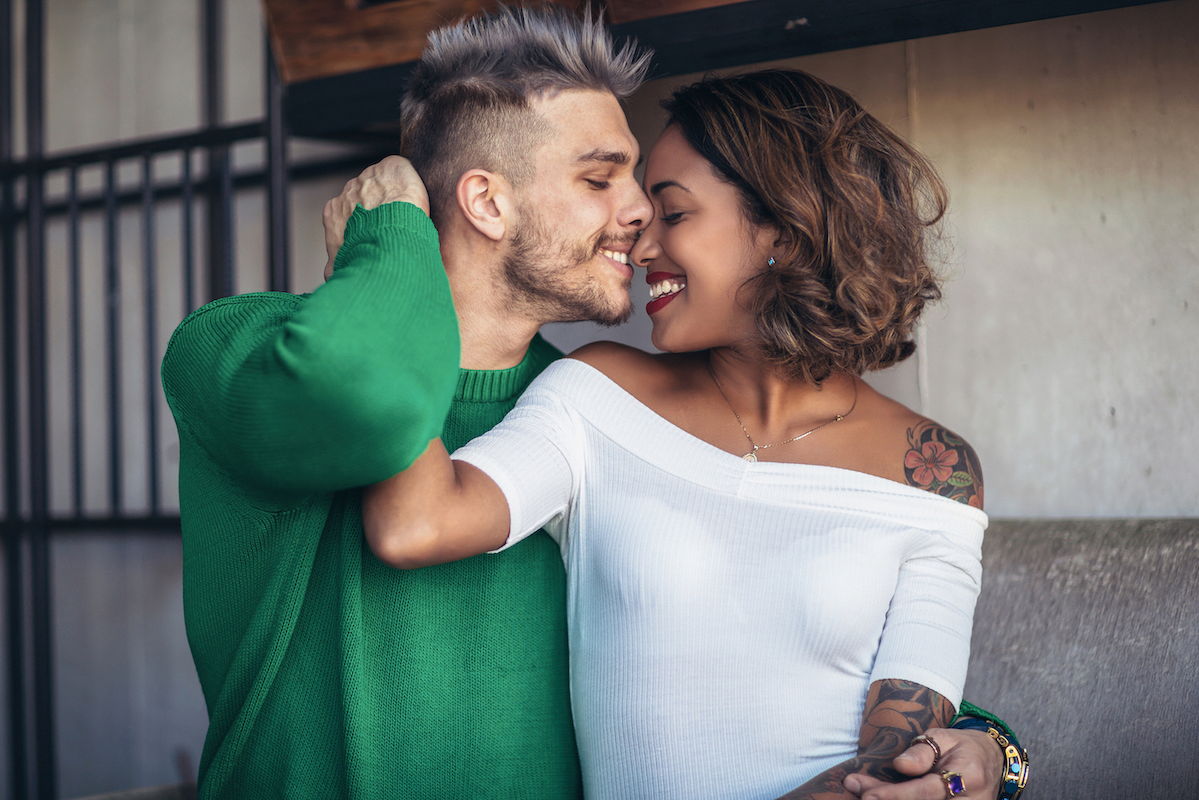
726, 618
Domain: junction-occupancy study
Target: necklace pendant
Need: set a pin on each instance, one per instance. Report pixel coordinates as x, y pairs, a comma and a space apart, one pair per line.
751, 457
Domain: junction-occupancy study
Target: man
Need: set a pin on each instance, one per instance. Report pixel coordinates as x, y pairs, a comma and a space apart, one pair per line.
326, 673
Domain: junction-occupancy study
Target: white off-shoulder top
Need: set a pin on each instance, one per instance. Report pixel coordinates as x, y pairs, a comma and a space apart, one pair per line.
726, 618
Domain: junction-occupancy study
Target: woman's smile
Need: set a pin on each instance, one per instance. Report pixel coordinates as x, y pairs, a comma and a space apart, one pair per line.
663, 287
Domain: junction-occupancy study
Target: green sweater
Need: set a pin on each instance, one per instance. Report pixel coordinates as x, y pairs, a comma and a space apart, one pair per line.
326, 673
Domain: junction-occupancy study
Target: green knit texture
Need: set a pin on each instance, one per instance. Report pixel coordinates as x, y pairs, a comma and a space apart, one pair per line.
968, 709
326, 673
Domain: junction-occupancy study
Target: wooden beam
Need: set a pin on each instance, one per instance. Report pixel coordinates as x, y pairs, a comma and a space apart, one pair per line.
314, 39
716, 37
620, 11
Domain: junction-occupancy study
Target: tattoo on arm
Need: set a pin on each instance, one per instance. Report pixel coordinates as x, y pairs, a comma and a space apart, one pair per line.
896, 712
941, 462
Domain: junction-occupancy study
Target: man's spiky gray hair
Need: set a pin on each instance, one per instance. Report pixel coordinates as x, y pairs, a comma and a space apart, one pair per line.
467, 103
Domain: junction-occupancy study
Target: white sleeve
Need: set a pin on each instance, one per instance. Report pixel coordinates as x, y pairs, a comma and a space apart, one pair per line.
534, 455
926, 637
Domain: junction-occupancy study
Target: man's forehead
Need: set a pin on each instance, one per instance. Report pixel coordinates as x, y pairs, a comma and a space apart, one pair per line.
589, 127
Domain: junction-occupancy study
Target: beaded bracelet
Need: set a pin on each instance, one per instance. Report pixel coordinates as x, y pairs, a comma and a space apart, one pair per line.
1015, 771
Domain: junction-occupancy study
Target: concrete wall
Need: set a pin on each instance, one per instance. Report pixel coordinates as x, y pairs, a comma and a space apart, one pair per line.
1062, 349
1065, 344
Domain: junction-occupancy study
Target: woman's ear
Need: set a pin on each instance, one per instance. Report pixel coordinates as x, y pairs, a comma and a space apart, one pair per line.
778, 239
484, 198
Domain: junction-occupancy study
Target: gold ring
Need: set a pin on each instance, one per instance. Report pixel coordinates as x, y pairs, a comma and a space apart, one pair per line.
928, 740
954, 785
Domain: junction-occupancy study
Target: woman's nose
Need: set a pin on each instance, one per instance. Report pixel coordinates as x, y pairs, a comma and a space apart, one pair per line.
644, 249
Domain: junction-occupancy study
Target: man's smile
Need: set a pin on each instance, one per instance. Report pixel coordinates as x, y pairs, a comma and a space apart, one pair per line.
616, 255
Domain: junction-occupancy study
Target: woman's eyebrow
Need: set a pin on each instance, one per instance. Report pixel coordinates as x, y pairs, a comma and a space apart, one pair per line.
660, 185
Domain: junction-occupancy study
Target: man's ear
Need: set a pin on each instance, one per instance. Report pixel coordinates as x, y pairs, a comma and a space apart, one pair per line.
485, 200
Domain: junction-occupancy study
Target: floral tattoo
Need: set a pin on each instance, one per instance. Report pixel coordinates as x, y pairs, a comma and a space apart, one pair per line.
941, 462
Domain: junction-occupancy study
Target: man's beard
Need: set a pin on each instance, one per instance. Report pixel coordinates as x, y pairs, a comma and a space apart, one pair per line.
539, 270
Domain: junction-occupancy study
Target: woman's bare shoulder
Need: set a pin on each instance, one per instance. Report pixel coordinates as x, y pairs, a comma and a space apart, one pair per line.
614, 356
903, 445
646, 376
939, 461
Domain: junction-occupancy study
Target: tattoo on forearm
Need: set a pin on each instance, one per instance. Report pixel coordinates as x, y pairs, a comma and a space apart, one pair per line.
897, 712
941, 462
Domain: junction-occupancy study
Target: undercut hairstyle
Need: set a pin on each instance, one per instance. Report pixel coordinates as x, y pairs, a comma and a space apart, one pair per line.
855, 208
467, 102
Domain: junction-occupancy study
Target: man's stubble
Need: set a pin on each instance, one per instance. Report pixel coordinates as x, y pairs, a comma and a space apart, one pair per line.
547, 280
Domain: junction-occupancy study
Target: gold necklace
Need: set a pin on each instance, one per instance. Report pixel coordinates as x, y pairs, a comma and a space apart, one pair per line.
752, 455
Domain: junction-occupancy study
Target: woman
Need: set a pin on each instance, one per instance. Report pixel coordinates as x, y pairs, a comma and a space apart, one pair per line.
763, 553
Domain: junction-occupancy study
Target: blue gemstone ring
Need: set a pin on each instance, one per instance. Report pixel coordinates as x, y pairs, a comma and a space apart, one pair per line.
954, 785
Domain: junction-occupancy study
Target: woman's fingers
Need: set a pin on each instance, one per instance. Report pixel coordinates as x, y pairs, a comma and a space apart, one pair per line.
928, 787
972, 754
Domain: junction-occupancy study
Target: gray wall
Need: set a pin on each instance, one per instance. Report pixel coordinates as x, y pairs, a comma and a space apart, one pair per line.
1062, 348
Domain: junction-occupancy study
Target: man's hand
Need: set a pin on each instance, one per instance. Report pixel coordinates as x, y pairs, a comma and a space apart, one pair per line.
972, 754
391, 180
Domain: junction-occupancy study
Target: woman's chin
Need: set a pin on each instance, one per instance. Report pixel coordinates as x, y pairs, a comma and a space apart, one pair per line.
663, 343
675, 342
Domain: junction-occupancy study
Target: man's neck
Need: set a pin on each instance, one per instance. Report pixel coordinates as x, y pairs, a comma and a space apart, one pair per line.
492, 335
491, 340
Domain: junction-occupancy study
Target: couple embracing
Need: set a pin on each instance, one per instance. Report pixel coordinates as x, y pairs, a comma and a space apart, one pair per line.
727, 570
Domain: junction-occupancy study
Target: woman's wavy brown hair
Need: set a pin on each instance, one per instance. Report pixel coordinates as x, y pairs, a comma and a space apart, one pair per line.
854, 206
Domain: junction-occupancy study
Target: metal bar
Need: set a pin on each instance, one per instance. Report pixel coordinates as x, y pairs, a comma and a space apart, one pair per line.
217, 134
39, 473
151, 316
220, 223
278, 256
166, 523
14, 583
113, 301
214, 60
220, 180
186, 199
76, 340
169, 190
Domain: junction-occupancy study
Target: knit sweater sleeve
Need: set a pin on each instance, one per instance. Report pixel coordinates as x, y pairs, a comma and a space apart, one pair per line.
340, 388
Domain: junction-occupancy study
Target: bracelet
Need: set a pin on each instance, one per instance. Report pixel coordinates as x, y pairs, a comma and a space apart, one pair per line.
968, 709
1015, 769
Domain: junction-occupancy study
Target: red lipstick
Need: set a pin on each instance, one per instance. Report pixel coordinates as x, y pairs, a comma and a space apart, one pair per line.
656, 305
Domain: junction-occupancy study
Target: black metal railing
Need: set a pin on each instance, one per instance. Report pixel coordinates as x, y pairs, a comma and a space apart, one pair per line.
110, 187
14, 569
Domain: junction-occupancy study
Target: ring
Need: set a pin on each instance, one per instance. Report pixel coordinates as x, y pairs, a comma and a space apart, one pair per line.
928, 740
954, 785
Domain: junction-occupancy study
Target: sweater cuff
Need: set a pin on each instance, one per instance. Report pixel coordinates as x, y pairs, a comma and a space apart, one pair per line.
968, 709
365, 223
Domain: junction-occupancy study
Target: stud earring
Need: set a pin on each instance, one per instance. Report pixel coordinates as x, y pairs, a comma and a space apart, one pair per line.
770, 261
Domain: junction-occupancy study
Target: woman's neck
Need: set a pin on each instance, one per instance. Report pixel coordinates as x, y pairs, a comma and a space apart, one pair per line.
770, 403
